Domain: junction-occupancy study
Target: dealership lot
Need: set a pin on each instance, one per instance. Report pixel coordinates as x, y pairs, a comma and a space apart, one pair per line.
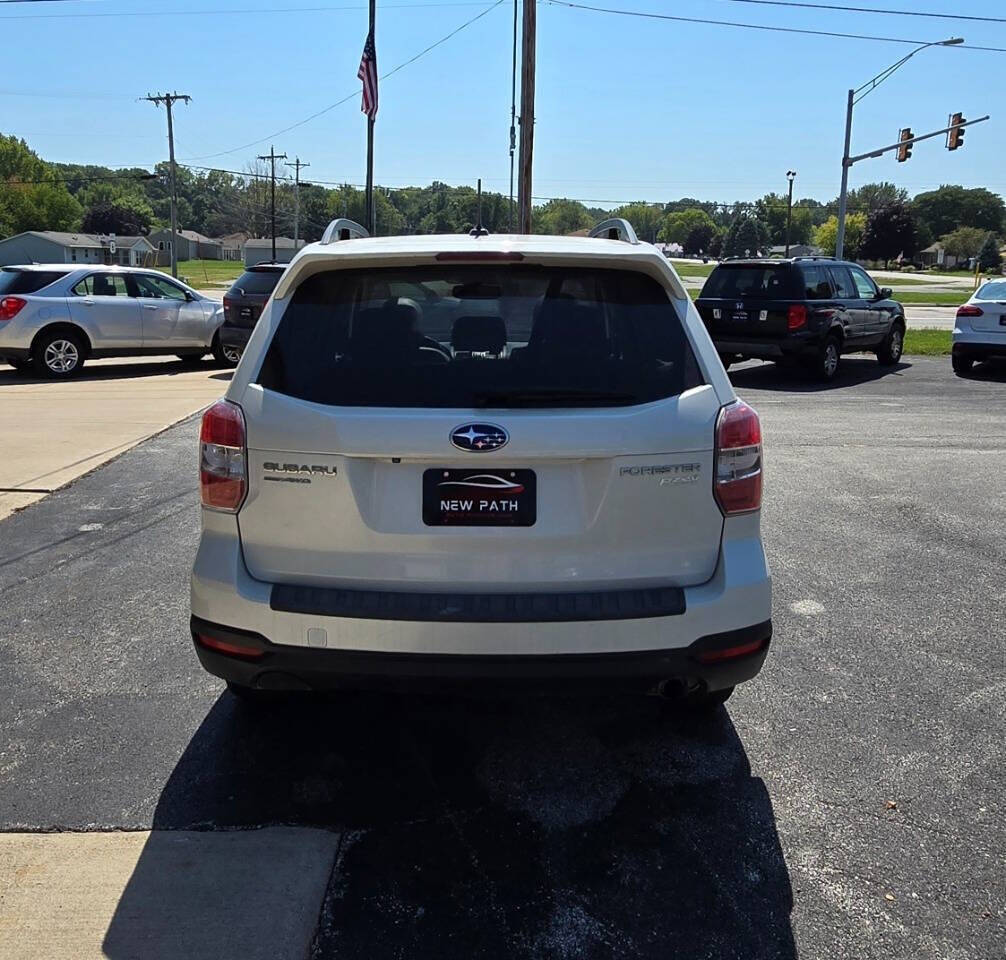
849, 803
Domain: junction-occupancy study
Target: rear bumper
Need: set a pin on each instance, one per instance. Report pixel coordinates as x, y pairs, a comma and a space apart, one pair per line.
331, 637
266, 665
979, 345
768, 349
231, 336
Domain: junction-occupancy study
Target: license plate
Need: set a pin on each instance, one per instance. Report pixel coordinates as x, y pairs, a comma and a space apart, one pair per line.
479, 498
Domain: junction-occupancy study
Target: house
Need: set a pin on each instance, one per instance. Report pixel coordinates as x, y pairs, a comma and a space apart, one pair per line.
935, 255
259, 250
231, 245
795, 250
54, 246
191, 246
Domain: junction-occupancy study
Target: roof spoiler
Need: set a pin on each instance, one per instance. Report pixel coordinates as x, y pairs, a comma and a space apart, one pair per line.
617, 228
343, 229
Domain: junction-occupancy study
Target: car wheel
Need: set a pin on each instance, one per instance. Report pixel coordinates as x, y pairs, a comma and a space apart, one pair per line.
58, 355
962, 365
824, 364
889, 351
225, 356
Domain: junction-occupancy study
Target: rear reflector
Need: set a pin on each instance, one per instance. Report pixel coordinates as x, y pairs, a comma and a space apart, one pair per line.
970, 310
480, 256
223, 472
729, 653
797, 316
9, 308
229, 647
738, 482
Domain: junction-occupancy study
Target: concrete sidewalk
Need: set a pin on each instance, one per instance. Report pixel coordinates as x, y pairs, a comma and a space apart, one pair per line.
52, 432
253, 894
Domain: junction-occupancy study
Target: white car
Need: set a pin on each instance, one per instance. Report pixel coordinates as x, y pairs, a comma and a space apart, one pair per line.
980, 327
504, 460
53, 317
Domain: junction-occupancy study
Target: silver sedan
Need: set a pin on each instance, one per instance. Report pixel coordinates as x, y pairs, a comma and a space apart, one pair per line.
53, 317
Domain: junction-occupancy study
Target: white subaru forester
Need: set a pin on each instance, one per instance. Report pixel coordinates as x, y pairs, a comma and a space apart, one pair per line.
506, 460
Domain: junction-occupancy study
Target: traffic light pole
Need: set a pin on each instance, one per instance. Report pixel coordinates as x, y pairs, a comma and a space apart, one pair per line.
848, 161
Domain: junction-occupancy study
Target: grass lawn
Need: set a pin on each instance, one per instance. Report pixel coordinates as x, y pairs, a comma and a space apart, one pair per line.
199, 273
949, 298
693, 268
927, 343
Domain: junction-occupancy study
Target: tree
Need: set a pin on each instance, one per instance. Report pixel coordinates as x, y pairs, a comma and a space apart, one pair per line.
989, 257
951, 206
561, 217
645, 218
772, 210
964, 242
111, 207
676, 227
826, 235
701, 238
742, 239
31, 194
873, 196
890, 232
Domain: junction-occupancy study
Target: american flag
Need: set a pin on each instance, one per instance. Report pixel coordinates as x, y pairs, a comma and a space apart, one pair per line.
368, 74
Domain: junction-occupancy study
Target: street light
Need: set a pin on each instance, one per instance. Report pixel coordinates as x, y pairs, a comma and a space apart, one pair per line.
854, 97
790, 176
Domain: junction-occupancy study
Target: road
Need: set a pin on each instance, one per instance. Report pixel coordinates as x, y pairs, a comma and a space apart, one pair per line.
849, 803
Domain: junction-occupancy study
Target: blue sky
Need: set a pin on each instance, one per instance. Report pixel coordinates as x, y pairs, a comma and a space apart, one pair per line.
627, 108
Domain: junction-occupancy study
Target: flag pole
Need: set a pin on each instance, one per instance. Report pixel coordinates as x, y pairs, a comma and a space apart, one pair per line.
371, 211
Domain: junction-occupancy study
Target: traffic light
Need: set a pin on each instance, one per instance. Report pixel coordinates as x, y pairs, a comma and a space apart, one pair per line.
955, 138
905, 150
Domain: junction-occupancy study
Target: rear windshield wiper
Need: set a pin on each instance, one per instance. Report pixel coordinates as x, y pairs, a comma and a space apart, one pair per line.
550, 396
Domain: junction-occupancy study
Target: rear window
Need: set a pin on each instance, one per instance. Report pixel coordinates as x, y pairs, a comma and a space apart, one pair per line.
996, 290
26, 281
751, 283
476, 336
255, 282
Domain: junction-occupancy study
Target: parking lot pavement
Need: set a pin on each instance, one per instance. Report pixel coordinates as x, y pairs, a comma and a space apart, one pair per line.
848, 803
52, 432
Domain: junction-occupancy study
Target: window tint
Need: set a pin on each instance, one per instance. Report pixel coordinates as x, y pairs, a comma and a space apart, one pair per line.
256, 282
158, 288
26, 281
750, 282
102, 285
816, 284
498, 336
996, 290
844, 287
866, 287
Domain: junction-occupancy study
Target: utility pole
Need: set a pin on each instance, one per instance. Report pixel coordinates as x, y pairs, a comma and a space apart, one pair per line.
513, 112
790, 176
527, 115
296, 199
168, 99
272, 156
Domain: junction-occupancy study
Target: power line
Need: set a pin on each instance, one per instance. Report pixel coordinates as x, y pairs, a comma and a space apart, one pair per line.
893, 13
242, 11
756, 26
355, 93
15, 183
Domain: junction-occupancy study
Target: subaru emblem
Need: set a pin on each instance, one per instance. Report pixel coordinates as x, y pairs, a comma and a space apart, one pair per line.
479, 437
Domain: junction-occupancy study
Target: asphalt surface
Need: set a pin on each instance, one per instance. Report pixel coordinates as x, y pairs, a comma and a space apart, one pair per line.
848, 803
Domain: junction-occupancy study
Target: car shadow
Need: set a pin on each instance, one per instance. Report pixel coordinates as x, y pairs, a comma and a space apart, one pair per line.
852, 372
480, 828
992, 371
118, 371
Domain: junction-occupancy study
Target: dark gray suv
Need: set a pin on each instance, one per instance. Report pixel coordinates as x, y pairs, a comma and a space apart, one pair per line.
811, 309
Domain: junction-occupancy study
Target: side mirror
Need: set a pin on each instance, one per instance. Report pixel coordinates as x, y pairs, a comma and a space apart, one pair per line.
885, 293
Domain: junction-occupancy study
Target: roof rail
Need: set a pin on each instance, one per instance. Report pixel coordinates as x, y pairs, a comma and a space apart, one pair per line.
343, 229
816, 257
616, 228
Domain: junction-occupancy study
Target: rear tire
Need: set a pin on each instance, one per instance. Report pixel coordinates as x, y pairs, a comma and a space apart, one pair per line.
824, 365
225, 356
58, 355
962, 365
890, 350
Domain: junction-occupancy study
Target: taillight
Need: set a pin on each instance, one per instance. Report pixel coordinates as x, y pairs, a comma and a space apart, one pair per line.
228, 305
737, 486
970, 310
797, 316
223, 472
9, 307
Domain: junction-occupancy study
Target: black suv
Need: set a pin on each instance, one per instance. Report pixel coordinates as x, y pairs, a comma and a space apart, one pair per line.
811, 309
244, 302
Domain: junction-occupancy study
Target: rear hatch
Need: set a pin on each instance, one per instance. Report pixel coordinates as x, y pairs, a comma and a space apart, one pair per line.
991, 300
247, 297
578, 456
749, 301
